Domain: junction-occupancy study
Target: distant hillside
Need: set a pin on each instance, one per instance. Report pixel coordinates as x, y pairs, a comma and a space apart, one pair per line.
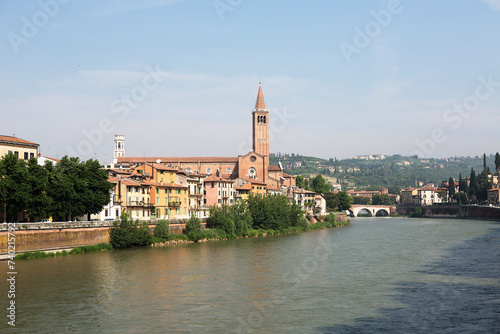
367, 172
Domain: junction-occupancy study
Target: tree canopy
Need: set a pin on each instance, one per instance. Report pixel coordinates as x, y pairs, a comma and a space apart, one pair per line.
320, 185
70, 188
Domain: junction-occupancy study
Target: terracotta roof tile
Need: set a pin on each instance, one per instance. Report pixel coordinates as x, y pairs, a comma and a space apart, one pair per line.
15, 140
212, 178
129, 182
52, 159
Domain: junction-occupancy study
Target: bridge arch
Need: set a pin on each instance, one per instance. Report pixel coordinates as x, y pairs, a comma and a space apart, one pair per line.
364, 212
382, 213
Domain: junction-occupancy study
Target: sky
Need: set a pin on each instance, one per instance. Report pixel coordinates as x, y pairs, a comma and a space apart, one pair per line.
180, 77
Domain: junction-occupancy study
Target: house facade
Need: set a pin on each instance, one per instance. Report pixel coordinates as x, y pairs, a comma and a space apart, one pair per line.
21, 148
427, 196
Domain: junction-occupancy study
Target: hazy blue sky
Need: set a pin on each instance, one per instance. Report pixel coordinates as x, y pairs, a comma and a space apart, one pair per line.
341, 78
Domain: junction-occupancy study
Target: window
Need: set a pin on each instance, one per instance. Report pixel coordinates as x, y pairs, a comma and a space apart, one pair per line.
16, 153
117, 213
25, 155
209, 170
106, 213
252, 173
228, 170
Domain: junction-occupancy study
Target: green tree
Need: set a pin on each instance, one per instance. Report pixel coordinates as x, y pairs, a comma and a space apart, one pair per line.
332, 201
462, 184
162, 229
241, 217
485, 165
395, 190
77, 188
126, 233
95, 194
483, 185
451, 188
319, 185
299, 181
460, 197
273, 212
38, 179
497, 161
16, 192
361, 200
63, 191
381, 199
472, 189
193, 229
344, 201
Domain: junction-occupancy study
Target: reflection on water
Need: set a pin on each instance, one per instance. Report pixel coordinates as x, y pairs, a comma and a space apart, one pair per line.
377, 275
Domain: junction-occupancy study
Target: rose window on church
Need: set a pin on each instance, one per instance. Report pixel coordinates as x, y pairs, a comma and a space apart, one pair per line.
209, 170
252, 173
228, 170
253, 158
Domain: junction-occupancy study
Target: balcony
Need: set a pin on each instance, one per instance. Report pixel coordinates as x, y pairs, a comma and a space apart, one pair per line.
139, 203
174, 203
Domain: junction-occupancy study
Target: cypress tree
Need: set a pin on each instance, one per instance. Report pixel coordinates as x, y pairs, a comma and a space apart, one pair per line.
451, 188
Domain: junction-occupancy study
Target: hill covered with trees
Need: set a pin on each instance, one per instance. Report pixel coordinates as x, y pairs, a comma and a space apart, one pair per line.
375, 172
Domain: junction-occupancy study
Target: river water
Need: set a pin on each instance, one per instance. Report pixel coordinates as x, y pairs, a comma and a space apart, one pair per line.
378, 275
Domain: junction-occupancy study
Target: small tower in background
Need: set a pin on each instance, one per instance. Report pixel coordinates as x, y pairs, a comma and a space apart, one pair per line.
119, 150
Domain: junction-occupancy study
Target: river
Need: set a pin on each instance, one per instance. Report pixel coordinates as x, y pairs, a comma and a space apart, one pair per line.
378, 275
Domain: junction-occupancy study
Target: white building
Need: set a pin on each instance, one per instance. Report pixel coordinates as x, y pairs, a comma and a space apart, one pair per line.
427, 196
320, 204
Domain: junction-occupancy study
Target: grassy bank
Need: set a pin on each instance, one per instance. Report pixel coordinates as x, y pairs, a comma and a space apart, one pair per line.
78, 250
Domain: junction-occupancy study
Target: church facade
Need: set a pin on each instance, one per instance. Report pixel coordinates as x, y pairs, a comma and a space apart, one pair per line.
252, 166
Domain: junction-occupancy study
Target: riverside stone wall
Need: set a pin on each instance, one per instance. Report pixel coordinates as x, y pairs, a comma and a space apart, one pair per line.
32, 238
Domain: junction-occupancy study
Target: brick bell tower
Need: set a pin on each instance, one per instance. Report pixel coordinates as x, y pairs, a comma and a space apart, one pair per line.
260, 125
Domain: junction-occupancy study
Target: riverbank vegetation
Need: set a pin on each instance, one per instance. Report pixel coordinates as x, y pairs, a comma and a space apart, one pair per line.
78, 250
257, 217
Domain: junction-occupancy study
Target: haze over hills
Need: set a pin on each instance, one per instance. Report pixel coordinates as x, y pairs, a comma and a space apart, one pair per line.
377, 171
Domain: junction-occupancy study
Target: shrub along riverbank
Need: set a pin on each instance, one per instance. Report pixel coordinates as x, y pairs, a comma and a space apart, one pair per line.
256, 217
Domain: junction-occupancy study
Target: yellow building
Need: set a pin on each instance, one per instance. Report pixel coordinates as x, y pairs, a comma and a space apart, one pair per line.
134, 196
23, 149
170, 199
258, 189
243, 192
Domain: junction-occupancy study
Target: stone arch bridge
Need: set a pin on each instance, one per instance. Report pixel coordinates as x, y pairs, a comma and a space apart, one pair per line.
372, 210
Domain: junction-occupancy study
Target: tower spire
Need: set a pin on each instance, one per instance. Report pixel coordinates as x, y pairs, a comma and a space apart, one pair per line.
260, 104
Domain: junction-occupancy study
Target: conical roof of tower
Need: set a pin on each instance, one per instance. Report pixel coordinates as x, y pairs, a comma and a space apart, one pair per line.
260, 103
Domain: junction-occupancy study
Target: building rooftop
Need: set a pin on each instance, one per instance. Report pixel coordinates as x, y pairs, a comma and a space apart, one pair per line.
16, 141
